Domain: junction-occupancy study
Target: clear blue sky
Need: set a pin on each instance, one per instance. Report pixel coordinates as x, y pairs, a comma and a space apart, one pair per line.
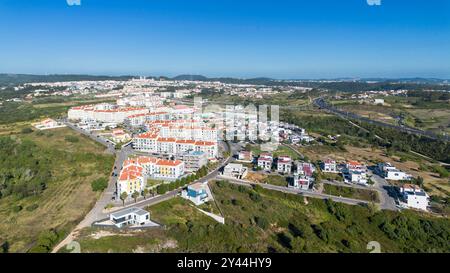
240, 38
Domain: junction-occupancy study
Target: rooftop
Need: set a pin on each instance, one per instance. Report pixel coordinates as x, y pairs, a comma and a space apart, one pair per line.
121, 213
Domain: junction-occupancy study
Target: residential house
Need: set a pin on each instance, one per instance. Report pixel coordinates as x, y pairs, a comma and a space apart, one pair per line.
133, 217
196, 193
265, 161
234, 170
301, 182
390, 172
284, 164
414, 196
329, 166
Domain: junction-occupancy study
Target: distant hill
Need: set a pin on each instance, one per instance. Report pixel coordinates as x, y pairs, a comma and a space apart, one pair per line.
14, 79
187, 77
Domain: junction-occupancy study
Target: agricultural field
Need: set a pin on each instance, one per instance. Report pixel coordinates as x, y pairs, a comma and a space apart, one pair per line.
259, 220
45, 185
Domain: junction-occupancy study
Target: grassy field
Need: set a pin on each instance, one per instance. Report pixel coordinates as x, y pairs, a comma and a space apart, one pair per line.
68, 196
258, 220
433, 116
362, 194
281, 150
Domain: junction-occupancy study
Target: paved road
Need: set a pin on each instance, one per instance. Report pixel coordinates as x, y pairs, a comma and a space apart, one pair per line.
96, 212
297, 191
383, 188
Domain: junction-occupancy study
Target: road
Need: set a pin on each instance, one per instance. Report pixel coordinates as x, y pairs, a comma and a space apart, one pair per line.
106, 197
97, 212
385, 192
306, 193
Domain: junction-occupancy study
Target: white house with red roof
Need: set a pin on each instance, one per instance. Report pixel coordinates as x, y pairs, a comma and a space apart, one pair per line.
284, 164
265, 161
329, 166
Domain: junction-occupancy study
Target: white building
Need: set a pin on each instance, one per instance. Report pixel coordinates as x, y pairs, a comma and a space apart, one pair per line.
135, 171
284, 164
390, 172
196, 193
234, 170
47, 124
414, 196
133, 217
329, 166
103, 113
265, 161
357, 177
301, 182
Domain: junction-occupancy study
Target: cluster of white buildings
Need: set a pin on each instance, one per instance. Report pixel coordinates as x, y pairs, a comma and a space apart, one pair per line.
135, 172
294, 134
146, 100
104, 113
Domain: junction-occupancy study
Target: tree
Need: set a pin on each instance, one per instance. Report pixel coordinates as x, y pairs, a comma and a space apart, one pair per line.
123, 197
99, 184
135, 196
145, 192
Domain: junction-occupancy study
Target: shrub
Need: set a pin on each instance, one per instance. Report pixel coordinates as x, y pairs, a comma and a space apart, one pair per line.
72, 139
26, 130
17, 208
32, 207
256, 197
262, 222
99, 184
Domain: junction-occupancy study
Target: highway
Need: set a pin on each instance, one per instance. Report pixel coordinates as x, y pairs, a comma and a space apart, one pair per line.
321, 103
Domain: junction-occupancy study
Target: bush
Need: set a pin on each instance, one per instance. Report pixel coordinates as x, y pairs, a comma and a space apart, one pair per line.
26, 130
99, 184
262, 222
32, 207
256, 197
17, 208
72, 139
441, 171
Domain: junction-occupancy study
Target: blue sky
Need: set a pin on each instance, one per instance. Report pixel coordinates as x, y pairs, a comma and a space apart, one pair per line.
239, 38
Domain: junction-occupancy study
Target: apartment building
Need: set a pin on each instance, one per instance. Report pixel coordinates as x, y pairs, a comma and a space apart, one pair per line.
104, 113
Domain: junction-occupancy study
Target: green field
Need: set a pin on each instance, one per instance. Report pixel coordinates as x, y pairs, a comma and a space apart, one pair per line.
46, 185
259, 220
362, 194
